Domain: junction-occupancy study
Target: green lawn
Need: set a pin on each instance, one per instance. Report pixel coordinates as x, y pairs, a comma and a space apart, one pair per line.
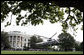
39, 52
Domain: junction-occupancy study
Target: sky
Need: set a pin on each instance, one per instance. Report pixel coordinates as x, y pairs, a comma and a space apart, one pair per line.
47, 29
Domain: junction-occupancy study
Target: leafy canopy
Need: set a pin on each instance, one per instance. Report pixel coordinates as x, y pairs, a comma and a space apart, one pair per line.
67, 41
41, 11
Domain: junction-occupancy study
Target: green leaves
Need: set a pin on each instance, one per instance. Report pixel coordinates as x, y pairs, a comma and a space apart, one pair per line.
65, 26
35, 22
67, 41
67, 10
8, 23
40, 11
5, 9
18, 19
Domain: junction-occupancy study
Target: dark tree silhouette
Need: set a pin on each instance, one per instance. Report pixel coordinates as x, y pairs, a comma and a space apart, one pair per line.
4, 41
67, 41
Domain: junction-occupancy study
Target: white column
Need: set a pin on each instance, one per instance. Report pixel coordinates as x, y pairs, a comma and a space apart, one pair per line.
20, 41
23, 41
16, 41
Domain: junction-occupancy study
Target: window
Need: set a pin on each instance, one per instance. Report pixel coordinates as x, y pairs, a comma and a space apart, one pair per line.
18, 38
14, 38
25, 44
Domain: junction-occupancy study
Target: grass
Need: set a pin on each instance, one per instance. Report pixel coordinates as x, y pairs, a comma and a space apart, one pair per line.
39, 52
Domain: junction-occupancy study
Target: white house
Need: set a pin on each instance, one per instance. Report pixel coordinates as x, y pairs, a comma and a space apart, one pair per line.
18, 39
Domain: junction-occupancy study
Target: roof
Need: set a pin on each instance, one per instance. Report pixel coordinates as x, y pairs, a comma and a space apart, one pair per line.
18, 33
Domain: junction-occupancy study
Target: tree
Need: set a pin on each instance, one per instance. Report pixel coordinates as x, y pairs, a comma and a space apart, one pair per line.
81, 46
47, 10
34, 40
67, 41
77, 46
4, 40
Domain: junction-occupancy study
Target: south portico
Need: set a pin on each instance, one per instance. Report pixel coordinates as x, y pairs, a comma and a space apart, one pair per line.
18, 39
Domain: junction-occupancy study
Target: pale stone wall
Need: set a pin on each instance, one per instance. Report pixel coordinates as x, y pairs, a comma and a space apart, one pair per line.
18, 39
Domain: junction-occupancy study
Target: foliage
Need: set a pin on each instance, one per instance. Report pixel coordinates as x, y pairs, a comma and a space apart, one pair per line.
26, 48
34, 40
77, 46
81, 46
39, 11
4, 40
67, 41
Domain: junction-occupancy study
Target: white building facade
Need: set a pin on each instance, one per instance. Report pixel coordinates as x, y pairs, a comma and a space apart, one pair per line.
18, 39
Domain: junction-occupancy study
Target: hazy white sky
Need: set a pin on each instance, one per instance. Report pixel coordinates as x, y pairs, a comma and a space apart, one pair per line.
47, 29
